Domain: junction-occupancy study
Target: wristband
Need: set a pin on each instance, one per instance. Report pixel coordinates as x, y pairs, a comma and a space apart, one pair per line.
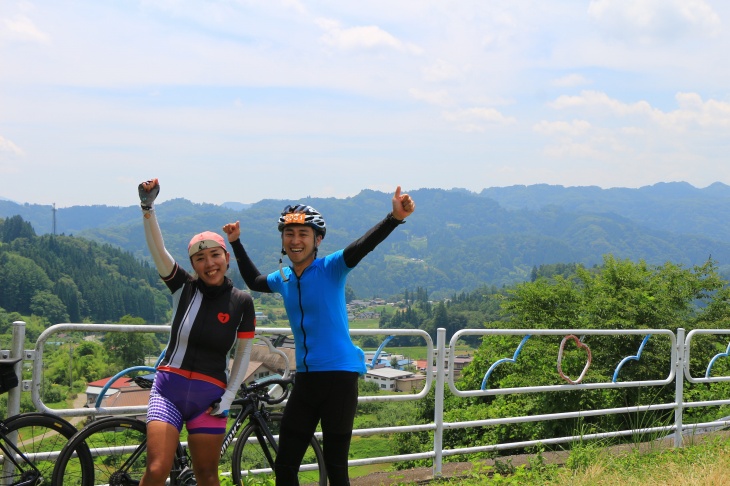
390, 217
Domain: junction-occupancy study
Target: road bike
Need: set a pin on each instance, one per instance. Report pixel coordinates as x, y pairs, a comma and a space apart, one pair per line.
30, 442
118, 446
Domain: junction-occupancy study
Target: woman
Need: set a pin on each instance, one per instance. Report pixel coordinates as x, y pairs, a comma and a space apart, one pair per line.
191, 384
328, 363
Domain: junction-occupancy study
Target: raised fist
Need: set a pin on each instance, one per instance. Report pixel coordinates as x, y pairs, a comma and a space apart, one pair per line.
148, 191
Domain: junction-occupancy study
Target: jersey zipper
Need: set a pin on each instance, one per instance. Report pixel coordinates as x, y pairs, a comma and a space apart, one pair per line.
301, 322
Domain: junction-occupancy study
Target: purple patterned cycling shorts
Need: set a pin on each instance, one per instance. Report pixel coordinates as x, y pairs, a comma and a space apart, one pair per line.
175, 400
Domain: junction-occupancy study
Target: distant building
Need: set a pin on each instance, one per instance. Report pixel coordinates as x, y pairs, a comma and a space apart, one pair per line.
460, 362
385, 360
421, 365
276, 362
124, 392
414, 384
394, 380
257, 370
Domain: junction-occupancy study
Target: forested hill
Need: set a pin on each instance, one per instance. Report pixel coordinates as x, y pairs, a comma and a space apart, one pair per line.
69, 279
677, 207
457, 240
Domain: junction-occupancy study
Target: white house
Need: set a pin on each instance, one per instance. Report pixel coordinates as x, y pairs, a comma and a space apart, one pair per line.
387, 378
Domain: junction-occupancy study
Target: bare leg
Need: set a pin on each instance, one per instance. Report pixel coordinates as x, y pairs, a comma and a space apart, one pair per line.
205, 451
162, 441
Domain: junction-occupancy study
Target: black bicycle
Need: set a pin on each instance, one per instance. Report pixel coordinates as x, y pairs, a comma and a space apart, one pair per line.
30, 442
118, 446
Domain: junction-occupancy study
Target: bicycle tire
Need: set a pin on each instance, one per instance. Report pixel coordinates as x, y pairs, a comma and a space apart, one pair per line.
36, 433
249, 457
104, 438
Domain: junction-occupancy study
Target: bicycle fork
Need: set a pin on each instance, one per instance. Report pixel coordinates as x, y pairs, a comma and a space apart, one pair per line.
264, 436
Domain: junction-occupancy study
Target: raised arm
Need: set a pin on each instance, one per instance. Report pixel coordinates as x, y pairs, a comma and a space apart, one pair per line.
251, 275
164, 262
403, 206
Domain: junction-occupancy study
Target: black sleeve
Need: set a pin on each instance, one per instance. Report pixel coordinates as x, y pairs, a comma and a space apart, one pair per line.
251, 275
357, 250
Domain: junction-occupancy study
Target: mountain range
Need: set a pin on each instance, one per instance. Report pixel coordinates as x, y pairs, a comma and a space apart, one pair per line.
457, 240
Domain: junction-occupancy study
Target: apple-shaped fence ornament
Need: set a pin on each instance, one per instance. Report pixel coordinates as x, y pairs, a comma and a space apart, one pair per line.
580, 345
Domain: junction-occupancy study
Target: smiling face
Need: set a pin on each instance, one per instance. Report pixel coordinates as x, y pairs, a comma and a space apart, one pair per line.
211, 265
299, 243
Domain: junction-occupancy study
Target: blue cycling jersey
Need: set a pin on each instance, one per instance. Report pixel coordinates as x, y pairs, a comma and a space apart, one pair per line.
315, 301
315, 305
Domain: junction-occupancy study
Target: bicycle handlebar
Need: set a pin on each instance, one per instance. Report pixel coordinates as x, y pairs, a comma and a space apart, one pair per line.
257, 386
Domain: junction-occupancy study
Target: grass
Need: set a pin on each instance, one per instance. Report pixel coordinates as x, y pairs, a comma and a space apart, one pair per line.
702, 463
369, 446
364, 323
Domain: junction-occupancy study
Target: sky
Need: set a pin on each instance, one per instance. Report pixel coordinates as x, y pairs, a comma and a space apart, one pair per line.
244, 100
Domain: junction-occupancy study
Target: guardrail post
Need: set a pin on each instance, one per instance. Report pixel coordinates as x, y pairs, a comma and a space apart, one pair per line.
438, 412
679, 388
17, 351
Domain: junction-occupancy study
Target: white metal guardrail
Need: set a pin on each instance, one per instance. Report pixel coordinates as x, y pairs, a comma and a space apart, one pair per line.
443, 356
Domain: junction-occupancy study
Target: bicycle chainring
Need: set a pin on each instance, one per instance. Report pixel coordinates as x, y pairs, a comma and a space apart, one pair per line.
121, 478
187, 478
30, 478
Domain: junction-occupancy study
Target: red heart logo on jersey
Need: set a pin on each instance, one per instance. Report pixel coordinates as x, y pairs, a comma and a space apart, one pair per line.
223, 318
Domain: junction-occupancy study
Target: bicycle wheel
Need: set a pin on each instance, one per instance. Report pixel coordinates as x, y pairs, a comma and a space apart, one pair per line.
118, 448
249, 457
39, 437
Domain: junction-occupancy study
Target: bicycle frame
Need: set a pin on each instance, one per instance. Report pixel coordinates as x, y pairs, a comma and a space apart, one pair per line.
254, 412
10, 451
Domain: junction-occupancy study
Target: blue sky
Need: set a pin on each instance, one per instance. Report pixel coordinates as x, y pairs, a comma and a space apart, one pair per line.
248, 100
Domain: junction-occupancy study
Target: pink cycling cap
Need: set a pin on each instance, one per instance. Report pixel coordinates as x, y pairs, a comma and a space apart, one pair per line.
205, 240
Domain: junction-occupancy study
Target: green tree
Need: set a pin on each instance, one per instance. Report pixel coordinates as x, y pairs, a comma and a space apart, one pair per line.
440, 319
86, 361
90, 362
349, 294
14, 228
67, 290
20, 279
130, 348
48, 305
618, 295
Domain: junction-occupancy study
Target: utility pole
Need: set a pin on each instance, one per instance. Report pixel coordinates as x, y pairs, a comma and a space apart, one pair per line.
70, 366
54, 219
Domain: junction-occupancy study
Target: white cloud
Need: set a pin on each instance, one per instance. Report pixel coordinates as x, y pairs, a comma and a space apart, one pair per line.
691, 111
438, 98
480, 115
20, 28
369, 37
571, 149
256, 84
632, 131
8, 148
654, 20
573, 128
571, 80
471, 128
440, 71
599, 101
